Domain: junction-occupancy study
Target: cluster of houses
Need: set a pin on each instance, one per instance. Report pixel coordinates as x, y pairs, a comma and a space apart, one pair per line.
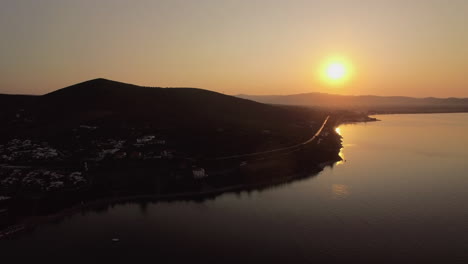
28, 178
149, 139
199, 173
147, 147
17, 150
13, 179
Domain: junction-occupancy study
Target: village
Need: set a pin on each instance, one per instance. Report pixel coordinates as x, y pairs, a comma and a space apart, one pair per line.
29, 167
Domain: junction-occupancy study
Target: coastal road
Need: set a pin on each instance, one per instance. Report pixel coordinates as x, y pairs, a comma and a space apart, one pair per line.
297, 146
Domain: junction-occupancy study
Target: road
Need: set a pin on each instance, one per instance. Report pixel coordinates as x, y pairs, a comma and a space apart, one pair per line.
278, 149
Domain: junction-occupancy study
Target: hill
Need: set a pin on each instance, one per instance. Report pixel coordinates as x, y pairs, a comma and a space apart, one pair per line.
198, 120
379, 104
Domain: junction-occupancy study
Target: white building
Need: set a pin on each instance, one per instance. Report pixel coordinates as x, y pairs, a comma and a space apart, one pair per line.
199, 173
146, 139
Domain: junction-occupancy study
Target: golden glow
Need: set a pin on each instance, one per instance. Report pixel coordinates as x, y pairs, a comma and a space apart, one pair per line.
340, 191
335, 71
166, 44
341, 154
338, 131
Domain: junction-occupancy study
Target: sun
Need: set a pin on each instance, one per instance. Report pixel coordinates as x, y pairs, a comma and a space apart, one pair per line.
335, 71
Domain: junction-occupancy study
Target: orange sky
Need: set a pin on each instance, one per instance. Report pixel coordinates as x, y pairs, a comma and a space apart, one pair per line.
413, 48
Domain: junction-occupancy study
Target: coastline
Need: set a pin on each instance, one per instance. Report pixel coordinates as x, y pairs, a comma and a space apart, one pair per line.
31, 222
35, 221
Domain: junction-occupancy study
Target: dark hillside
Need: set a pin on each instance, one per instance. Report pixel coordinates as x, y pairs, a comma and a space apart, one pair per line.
197, 119
14, 108
14, 103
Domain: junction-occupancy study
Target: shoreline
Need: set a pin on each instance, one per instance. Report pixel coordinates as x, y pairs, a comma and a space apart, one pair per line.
35, 221
416, 113
32, 222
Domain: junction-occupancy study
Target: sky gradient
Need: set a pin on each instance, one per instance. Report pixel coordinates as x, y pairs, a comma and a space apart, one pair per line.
396, 47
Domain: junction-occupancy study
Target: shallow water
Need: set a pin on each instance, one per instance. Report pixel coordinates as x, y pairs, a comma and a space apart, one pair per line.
400, 196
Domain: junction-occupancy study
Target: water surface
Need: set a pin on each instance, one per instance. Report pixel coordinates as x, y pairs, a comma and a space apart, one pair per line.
400, 196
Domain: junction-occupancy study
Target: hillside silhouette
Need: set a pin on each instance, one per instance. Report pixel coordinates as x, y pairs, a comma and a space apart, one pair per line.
196, 119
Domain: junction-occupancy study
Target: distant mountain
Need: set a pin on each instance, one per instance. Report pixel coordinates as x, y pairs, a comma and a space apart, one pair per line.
195, 118
366, 103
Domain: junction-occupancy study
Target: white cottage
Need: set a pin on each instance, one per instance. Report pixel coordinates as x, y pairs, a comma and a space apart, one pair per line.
199, 173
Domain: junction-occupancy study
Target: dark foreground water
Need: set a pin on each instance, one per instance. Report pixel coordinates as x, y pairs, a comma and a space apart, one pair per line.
401, 196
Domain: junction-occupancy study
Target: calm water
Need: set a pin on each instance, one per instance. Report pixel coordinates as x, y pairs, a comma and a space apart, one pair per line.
400, 197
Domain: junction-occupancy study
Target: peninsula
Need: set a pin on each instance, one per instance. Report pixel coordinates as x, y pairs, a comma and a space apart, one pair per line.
105, 139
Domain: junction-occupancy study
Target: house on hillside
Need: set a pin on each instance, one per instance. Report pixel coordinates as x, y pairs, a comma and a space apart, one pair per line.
106, 153
199, 173
145, 139
120, 155
168, 154
149, 140
161, 142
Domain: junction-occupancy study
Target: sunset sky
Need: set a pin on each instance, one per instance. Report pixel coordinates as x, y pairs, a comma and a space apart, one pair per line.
392, 47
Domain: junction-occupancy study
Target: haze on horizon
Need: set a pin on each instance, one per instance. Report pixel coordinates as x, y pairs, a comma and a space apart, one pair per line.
412, 48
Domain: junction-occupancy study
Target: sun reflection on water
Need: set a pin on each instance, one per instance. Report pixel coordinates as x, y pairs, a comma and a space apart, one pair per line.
340, 191
338, 131
341, 154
